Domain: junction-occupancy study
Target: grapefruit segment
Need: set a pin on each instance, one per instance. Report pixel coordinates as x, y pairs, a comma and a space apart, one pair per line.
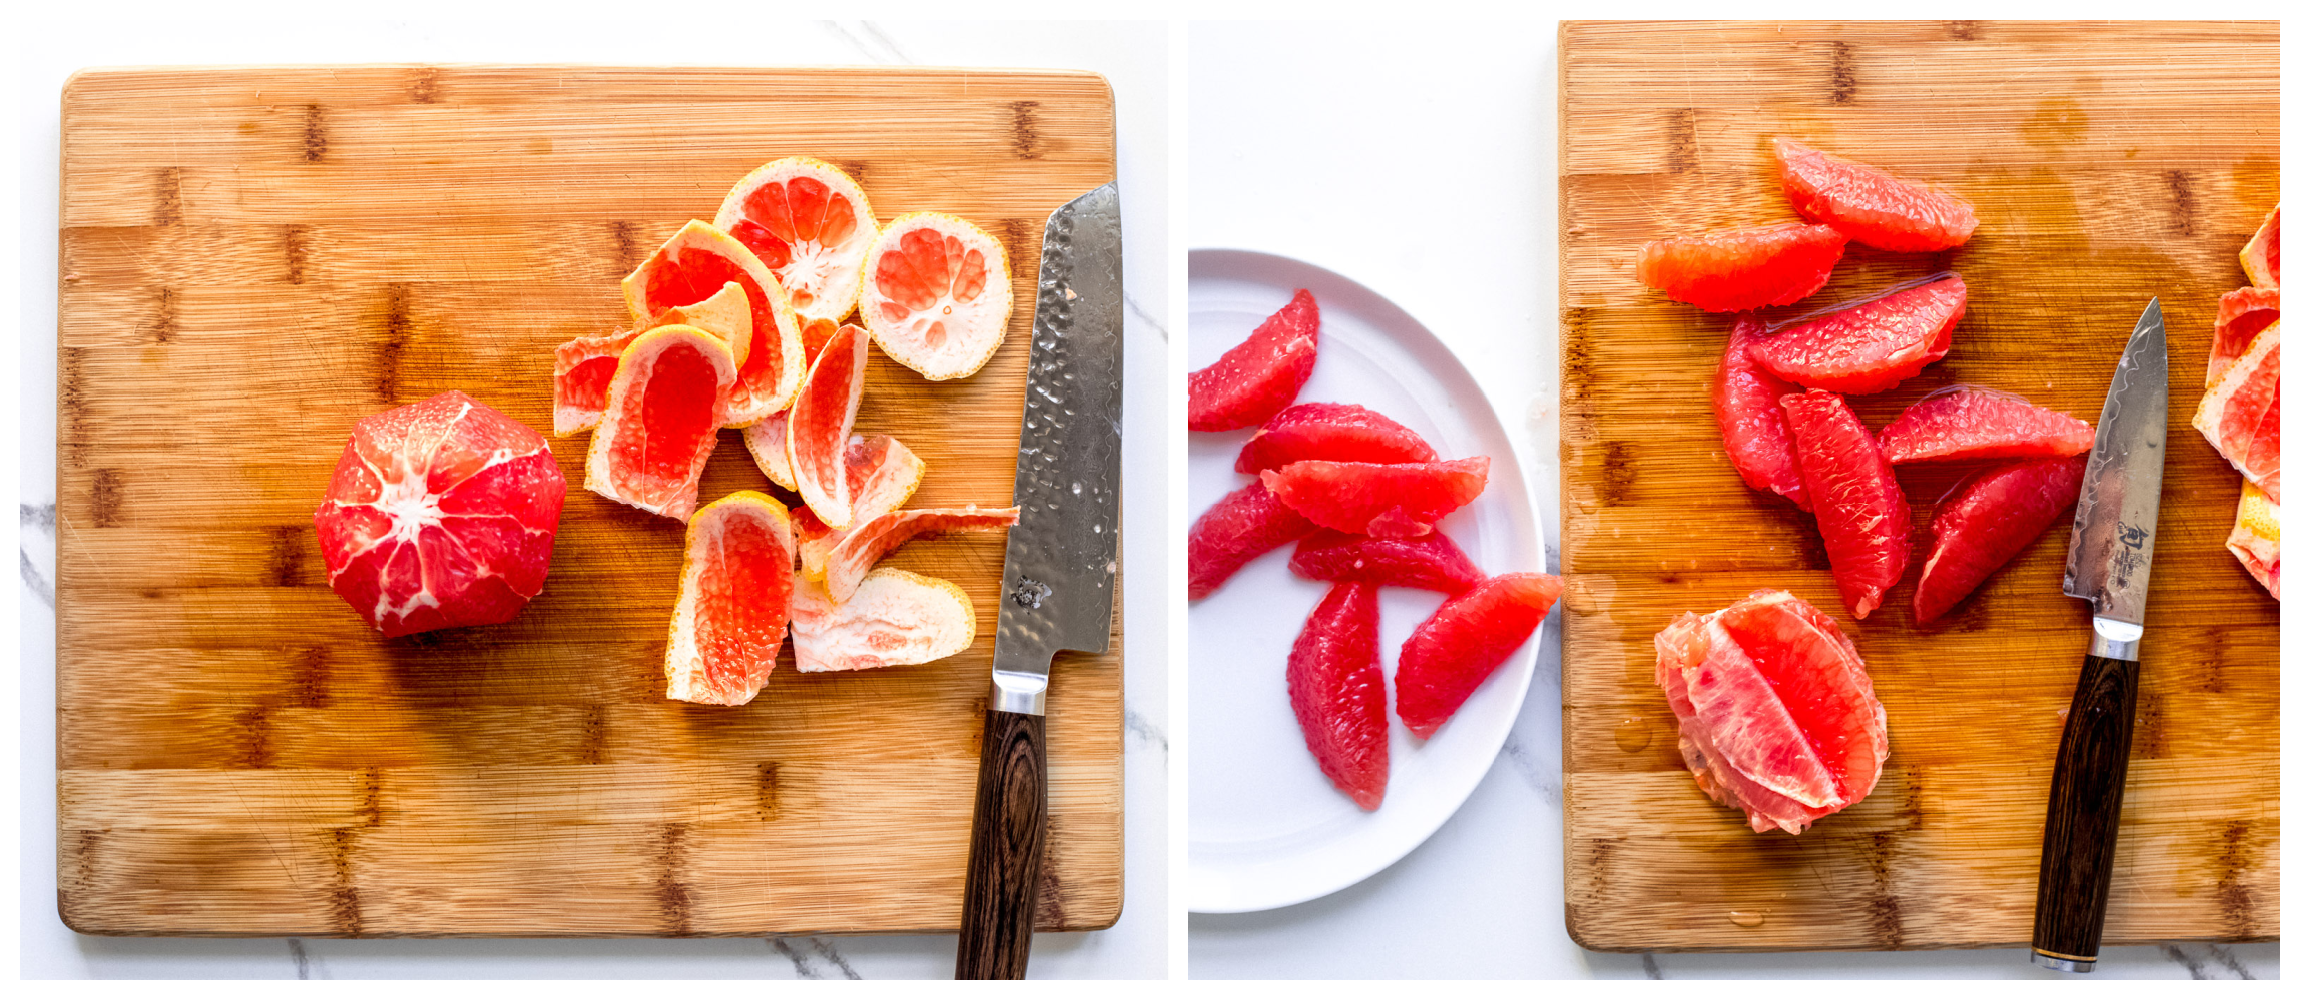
820, 420
1339, 432
2254, 539
1871, 206
1863, 517
1403, 500
1986, 521
810, 224
1251, 382
895, 618
1431, 562
1735, 269
1238, 529
1452, 653
664, 410
847, 561
2239, 413
734, 602
695, 264
2263, 256
936, 294
2243, 314
1747, 401
440, 514
1334, 678
1969, 422
1870, 346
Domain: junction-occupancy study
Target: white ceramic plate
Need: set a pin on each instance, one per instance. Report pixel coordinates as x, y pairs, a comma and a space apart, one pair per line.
1266, 827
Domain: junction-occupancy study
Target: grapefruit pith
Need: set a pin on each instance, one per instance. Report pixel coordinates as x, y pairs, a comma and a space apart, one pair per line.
895, 618
1747, 401
811, 225
695, 264
1871, 346
1334, 678
664, 409
1735, 269
1863, 517
1965, 422
1869, 205
1337, 432
1251, 382
936, 295
1986, 521
852, 557
440, 514
1452, 653
734, 602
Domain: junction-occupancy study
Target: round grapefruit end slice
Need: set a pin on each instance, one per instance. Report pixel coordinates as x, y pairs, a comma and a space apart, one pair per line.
1986, 521
1747, 401
1968, 422
936, 295
1431, 562
895, 618
664, 409
821, 419
1452, 653
1870, 346
1863, 516
811, 225
1251, 382
440, 514
2254, 539
1404, 500
2240, 413
697, 263
2263, 257
1237, 530
1337, 432
1735, 269
1334, 678
1870, 206
735, 586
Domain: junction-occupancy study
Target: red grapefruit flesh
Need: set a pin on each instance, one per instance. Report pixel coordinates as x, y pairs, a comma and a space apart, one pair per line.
2240, 413
1965, 422
1735, 269
1863, 517
1334, 677
734, 602
695, 264
1404, 500
2243, 314
1869, 205
1747, 401
1776, 715
2254, 539
1431, 562
1338, 432
821, 418
859, 549
1870, 347
895, 618
440, 515
1453, 652
1986, 521
664, 410
1237, 530
1251, 382
2263, 257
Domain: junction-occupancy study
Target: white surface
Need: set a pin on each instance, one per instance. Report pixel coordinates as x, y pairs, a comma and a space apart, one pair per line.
1134, 57
1300, 136
1266, 827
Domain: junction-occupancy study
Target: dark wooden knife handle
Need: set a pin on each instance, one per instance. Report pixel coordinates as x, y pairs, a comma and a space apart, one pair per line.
1009, 843
2080, 823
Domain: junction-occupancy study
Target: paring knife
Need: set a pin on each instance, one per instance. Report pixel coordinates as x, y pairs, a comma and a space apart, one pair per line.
2108, 559
1061, 568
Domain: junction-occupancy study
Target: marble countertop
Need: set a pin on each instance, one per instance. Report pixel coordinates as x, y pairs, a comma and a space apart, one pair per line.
1133, 57
1301, 139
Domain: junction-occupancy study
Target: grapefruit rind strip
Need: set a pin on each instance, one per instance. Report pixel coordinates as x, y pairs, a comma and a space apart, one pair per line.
683, 666
2254, 450
638, 363
904, 339
834, 387
749, 402
844, 566
896, 618
844, 281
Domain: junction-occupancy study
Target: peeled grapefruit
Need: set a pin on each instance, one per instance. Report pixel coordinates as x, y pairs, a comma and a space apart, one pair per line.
1334, 678
895, 618
1863, 517
1453, 652
1339, 432
695, 264
1251, 382
2254, 539
936, 295
1870, 346
734, 600
664, 409
1735, 269
2243, 314
439, 515
1775, 712
1964, 422
822, 416
1403, 500
811, 225
1869, 205
857, 550
1431, 562
1747, 401
2239, 413
1238, 529
2263, 257
1986, 521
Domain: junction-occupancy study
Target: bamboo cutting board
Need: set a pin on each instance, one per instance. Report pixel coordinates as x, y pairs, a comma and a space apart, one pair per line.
2109, 163
254, 259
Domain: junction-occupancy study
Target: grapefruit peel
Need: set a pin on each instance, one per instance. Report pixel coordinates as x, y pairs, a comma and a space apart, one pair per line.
2263, 256
815, 438
936, 294
2239, 413
652, 443
895, 618
735, 582
582, 367
812, 226
2254, 539
693, 265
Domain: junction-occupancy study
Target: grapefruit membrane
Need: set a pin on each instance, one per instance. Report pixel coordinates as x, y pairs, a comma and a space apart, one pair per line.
815, 438
936, 295
1987, 520
1964, 422
1334, 679
1339, 432
695, 264
881, 476
1251, 382
1869, 344
1747, 402
1870, 206
1735, 269
664, 410
440, 514
895, 618
734, 604
1452, 653
1863, 517
811, 225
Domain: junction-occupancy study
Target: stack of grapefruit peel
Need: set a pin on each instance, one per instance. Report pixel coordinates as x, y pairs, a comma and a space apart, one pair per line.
1362, 495
735, 323
2243, 400
1776, 713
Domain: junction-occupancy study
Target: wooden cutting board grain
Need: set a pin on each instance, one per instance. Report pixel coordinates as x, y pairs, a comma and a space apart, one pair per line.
253, 260
2109, 163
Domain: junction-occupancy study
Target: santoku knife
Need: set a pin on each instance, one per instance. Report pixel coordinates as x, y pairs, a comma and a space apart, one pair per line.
2108, 559
1061, 569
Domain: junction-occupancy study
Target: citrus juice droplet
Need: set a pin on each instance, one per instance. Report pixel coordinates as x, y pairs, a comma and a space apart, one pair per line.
1746, 918
1632, 734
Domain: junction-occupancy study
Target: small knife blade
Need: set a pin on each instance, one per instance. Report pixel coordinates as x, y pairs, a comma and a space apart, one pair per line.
1061, 568
2108, 562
